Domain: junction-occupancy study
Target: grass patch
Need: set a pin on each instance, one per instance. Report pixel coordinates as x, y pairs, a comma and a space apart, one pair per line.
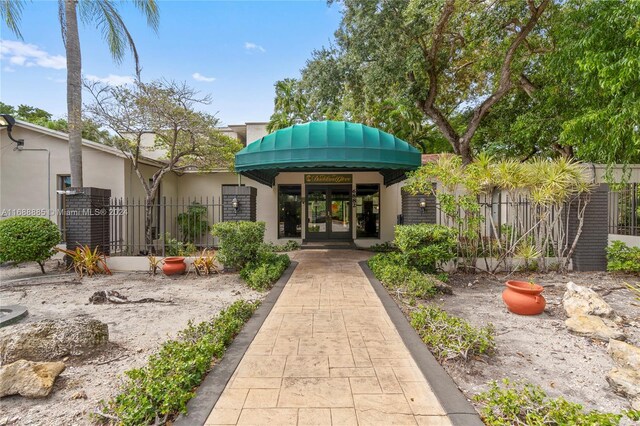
449, 337
527, 404
161, 389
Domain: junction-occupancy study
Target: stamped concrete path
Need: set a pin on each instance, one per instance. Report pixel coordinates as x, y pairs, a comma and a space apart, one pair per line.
328, 354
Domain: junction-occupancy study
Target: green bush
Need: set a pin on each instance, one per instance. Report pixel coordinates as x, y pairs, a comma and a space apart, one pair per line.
162, 388
425, 246
193, 223
391, 270
290, 245
449, 337
263, 272
527, 404
174, 247
28, 239
622, 258
240, 242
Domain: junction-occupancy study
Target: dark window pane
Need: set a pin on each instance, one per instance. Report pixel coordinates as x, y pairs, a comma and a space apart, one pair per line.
368, 211
289, 211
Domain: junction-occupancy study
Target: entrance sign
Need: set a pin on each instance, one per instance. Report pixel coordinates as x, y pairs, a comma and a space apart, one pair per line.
328, 178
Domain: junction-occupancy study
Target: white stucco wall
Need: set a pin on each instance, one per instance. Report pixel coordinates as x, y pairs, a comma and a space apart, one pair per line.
28, 178
256, 131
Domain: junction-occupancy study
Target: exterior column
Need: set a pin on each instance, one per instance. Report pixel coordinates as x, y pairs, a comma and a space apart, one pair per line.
246, 203
413, 213
590, 254
87, 218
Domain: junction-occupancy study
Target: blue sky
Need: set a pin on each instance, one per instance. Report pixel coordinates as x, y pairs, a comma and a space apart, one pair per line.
234, 50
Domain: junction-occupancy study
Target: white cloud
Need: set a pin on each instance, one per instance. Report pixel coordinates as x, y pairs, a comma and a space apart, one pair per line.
8, 69
112, 79
253, 47
57, 80
29, 55
199, 77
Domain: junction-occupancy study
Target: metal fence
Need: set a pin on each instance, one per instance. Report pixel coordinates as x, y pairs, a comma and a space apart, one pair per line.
172, 227
624, 210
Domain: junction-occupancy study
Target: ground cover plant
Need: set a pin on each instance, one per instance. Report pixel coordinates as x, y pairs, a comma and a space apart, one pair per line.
261, 273
449, 337
28, 239
400, 279
527, 404
161, 389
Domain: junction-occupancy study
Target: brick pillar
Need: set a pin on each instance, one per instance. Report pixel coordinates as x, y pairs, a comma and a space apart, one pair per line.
412, 213
87, 218
246, 196
590, 254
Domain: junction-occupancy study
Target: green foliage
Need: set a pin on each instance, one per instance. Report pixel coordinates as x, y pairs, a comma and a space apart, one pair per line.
193, 223
290, 245
87, 261
392, 271
240, 242
173, 247
262, 273
527, 404
386, 247
622, 258
449, 337
426, 246
167, 382
28, 239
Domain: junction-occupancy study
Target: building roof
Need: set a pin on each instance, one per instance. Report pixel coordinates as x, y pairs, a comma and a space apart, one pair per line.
327, 146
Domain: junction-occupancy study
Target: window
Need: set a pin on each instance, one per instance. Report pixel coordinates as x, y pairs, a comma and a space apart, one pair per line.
368, 211
289, 211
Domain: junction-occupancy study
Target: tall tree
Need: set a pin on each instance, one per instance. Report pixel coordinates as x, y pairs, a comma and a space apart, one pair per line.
105, 15
188, 138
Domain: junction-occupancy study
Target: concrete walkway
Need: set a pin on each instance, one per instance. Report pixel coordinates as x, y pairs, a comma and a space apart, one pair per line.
328, 354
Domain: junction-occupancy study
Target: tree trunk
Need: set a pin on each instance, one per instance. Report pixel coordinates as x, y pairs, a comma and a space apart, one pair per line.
74, 92
148, 221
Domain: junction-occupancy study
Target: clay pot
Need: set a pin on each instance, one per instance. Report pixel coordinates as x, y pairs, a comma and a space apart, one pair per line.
174, 265
524, 298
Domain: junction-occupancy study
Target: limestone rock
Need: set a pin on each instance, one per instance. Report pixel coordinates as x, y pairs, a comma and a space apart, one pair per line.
625, 355
594, 327
635, 403
625, 382
28, 378
579, 300
51, 340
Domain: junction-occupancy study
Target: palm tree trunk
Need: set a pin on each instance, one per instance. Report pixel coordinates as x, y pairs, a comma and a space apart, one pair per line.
74, 92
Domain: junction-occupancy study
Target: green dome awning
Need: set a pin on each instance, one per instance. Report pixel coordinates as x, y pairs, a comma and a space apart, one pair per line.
327, 146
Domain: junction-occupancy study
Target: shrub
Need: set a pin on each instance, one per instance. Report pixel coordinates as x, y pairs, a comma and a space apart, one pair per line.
28, 239
161, 389
290, 245
622, 258
193, 223
240, 242
426, 246
87, 261
449, 337
174, 247
263, 272
391, 270
521, 404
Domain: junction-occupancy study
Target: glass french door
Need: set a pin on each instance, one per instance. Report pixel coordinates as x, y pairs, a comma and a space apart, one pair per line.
328, 213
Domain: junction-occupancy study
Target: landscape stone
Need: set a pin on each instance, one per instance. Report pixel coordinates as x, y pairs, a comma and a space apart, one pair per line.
625, 355
28, 378
579, 300
594, 327
50, 340
625, 382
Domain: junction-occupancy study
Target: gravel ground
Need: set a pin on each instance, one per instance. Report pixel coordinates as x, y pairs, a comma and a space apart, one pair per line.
135, 330
539, 349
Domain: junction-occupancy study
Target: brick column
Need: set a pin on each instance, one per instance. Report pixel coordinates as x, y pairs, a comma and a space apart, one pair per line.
412, 213
590, 254
87, 218
246, 196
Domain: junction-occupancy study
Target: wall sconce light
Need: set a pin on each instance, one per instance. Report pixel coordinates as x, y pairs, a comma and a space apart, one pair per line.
235, 204
423, 204
8, 121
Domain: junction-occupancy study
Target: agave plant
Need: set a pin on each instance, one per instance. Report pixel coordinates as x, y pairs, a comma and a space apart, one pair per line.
87, 261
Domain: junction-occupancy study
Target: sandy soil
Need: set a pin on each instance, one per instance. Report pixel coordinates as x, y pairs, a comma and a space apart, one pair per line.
135, 331
539, 349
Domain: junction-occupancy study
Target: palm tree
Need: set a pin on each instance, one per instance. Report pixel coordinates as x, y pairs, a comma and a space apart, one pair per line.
104, 14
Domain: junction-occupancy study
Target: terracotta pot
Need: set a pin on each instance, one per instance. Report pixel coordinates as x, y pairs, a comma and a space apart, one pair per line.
174, 265
524, 298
